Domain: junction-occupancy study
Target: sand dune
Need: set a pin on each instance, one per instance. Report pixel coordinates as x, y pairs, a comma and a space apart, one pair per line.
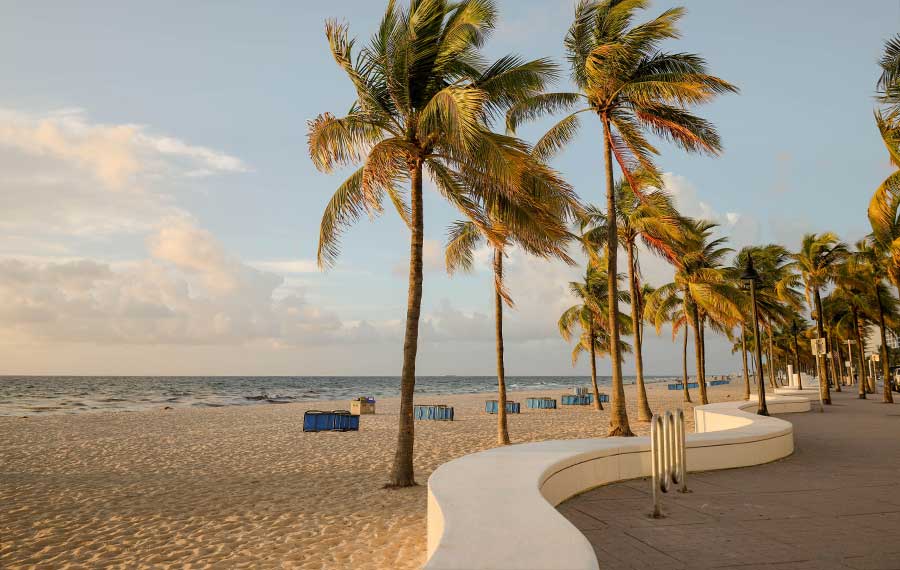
242, 487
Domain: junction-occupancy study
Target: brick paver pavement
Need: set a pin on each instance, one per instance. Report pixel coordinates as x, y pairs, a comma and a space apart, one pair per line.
834, 503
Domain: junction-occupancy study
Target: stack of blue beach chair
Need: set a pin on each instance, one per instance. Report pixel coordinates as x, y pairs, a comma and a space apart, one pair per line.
337, 420
680, 385
492, 406
572, 400
541, 403
433, 412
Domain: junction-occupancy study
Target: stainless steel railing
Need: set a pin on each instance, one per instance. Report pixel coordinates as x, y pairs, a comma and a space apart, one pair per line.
668, 464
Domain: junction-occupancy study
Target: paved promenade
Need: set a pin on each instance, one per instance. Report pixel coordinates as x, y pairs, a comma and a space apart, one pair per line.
835, 503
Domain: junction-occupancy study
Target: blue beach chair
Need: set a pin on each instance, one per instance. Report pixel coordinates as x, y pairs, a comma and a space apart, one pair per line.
541, 403
337, 420
433, 412
572, 400
491, 407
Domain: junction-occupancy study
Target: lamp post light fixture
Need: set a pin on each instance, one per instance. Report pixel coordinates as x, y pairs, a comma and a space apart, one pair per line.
794, 330
751, 278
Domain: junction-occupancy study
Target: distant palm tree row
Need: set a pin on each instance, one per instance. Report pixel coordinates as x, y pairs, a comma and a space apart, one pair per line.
429, 104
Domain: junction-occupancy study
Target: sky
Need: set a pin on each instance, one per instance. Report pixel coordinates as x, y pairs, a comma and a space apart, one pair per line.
159, 212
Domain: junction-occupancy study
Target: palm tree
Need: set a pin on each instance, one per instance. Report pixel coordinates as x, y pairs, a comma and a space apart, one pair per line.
868, 263
853, 292
777, 298
632, 87
424, 100
649, 218
710, 297
590, 316
884, 208
816, 262
664, 305
537, 226
889, 82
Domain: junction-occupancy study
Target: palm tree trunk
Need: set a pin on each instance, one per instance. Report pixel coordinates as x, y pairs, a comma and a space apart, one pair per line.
644, 413
618, 415
698, 351
502, 429
684, 374
835, 374
598, 405
402, 474
701, 376
887, 397
772, 381
825, 392
744, 361
861, 367
836, 343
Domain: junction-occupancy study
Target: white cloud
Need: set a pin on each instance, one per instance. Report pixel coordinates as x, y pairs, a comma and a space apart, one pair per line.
189, 290
114, 154
741, 229
287, 266
64, 176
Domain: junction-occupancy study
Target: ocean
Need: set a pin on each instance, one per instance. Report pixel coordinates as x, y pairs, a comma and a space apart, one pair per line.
37, 395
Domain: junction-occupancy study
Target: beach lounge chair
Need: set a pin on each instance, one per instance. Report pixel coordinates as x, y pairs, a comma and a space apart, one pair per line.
433, 412
541, 403
491, 407
581, 390
336, 420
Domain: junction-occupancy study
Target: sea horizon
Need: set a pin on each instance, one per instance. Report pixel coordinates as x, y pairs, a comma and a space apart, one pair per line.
28, 395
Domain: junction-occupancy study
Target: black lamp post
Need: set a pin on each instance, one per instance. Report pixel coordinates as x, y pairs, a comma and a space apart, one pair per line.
795, 329
751, 278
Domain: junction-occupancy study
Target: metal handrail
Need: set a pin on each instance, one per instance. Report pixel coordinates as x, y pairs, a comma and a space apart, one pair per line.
668, 460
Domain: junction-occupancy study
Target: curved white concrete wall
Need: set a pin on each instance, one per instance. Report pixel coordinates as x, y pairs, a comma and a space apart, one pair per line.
496, 509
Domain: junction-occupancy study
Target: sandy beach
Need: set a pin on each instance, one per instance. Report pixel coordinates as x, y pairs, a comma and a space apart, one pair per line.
244, 487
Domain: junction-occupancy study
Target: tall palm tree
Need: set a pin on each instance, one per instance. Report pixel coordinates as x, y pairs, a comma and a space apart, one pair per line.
777, 297
538, 227
665, 305
869, 263
884, 208
889, 81
816, 262
632, 87
710, 297
424, 100
649, 218
853, 291
590, 317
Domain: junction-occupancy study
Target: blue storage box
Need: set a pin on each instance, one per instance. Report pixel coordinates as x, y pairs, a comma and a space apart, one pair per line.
433, 412
719, 382
337, 420
604, 398
541, 403
491, 407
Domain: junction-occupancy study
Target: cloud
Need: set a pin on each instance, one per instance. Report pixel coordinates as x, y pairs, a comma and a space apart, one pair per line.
189, 290
64, 176
741, 229
287, 266
114, 154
